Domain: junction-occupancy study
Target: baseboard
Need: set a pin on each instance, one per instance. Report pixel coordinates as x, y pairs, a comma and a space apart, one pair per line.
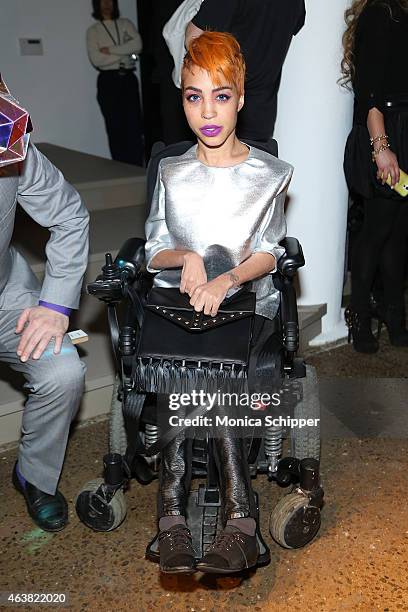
95, 403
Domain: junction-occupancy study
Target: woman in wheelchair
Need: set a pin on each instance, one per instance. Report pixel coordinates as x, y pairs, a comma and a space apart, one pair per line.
216, 221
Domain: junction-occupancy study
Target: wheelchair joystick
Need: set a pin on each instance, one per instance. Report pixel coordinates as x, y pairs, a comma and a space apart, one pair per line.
110, 270
108, 287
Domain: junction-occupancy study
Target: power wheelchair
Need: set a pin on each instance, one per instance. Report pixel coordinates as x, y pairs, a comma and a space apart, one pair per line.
135, 438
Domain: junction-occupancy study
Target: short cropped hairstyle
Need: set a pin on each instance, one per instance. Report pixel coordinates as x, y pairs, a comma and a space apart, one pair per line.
220, 55
97, 14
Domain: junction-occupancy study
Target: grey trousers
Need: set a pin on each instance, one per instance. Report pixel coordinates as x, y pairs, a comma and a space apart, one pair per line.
55, 386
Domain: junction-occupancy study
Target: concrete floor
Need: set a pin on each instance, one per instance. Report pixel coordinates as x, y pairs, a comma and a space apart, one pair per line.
359, 561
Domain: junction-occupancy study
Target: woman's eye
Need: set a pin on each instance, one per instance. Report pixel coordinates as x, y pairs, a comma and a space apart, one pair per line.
223, 97
193, 98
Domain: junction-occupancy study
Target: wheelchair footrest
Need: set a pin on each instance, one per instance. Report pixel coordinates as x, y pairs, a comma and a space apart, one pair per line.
204, 521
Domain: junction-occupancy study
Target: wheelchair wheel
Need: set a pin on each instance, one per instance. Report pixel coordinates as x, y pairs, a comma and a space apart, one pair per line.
305, 441
117, 430
95, 511
294, 522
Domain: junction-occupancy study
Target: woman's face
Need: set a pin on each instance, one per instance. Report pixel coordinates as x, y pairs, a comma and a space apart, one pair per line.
211, 110
106, 8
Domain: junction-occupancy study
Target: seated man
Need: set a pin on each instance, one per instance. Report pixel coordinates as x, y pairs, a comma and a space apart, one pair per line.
34, 319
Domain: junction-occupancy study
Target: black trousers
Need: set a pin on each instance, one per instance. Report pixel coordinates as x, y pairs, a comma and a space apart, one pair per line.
119, 99
174, 122
230, 451
256, 119
381, 246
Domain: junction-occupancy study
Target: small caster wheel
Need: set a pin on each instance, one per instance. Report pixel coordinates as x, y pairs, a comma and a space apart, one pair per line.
95, 511
294, 522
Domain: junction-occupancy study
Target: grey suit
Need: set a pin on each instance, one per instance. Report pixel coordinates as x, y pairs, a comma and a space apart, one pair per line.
55, 382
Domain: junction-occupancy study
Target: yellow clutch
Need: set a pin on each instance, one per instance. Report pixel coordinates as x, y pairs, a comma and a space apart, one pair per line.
402, 186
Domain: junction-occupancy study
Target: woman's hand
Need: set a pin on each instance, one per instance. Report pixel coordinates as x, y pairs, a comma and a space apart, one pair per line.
193, 273
210, 295
387, 164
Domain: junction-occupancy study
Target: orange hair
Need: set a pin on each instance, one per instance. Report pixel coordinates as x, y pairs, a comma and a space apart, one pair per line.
220, 55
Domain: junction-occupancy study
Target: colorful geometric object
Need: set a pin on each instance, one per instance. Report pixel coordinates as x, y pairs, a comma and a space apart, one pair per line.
14, 127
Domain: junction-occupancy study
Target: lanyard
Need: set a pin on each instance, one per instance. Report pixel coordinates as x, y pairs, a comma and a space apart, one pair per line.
109, 33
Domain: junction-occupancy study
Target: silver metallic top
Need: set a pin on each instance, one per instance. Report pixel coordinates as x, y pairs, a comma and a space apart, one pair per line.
224, 214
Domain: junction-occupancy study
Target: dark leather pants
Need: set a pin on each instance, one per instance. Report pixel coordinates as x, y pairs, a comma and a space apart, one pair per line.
234, 479
230, 451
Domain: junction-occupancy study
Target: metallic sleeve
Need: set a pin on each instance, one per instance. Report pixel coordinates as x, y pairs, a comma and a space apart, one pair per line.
272, 229
157, 233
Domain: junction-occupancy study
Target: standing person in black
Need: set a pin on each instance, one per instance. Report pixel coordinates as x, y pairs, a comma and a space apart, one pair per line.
174, 124
264, 30
112, 44
375, 58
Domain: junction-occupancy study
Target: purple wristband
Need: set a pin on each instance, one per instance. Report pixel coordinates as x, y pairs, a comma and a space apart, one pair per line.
61, 309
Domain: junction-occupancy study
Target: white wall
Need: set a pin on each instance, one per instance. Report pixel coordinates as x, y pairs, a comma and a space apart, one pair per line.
314, 118
58, 88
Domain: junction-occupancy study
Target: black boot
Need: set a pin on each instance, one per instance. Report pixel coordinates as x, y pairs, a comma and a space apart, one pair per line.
394, 319
359, 325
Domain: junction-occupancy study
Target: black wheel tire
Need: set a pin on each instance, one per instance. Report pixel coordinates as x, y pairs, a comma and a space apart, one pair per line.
117, 430
95, 512
294, 522
305, 441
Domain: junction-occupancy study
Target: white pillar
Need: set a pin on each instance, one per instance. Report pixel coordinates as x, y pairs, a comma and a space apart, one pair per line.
314, 118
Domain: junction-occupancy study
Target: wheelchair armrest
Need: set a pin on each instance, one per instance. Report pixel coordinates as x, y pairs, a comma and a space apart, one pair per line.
288, 265
131, 256
289, 316
293, 259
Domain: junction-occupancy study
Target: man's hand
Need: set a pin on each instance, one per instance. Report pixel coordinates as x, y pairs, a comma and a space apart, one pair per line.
39, 325
193, 273
105, 50
210, 295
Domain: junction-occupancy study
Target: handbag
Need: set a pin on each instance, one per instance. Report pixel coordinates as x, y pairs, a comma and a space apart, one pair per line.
180, 350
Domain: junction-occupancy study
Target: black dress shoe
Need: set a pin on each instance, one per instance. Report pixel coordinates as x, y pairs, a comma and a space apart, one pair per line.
177, 554
50, 512
232, 551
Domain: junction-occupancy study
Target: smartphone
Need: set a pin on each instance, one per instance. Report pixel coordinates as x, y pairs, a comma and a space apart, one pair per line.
402, 186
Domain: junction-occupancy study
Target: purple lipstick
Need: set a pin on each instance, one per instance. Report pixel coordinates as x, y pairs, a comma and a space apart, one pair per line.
211, 130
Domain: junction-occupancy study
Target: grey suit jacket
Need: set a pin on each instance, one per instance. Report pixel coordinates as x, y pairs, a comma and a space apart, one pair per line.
42, 191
